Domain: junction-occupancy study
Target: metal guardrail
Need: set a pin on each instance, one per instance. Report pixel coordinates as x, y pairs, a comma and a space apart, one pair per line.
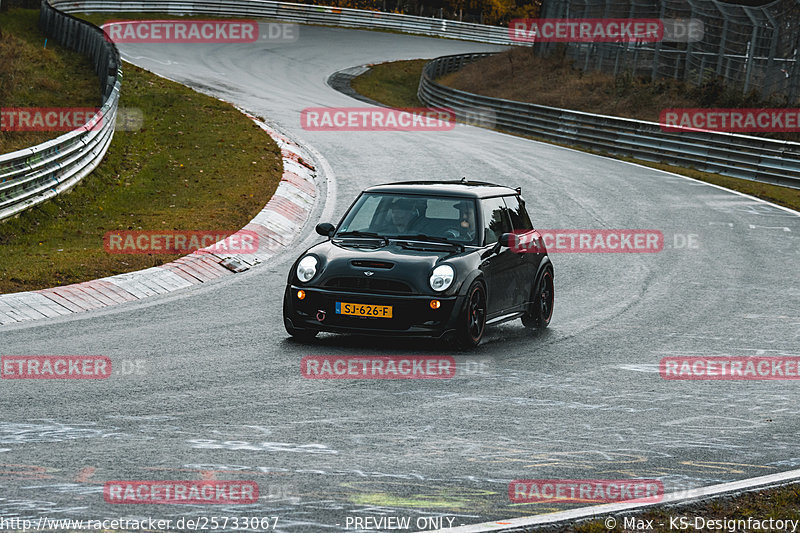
741, 156
31, 176
305, 14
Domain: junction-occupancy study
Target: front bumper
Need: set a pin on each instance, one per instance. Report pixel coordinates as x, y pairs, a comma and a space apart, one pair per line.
411, 315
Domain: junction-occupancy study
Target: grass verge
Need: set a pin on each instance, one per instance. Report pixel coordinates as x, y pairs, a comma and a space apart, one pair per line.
782, 503
197, 164
395, 84
35, 76
516, 74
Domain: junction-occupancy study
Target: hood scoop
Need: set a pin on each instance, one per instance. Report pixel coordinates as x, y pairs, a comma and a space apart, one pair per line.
364, 263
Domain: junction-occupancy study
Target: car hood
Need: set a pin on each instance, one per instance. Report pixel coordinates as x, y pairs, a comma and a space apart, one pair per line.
354, 258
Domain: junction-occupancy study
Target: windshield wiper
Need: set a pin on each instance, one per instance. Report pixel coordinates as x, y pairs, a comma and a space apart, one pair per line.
429, 238
365, 234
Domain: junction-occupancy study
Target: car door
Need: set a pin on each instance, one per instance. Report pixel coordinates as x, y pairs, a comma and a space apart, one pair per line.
529, 255
499, 265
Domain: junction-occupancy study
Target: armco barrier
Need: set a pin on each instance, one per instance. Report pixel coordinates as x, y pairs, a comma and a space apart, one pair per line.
33, 175
740, 156
305, 14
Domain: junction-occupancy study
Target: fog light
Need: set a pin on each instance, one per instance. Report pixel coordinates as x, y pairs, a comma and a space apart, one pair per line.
435, 304
301, 295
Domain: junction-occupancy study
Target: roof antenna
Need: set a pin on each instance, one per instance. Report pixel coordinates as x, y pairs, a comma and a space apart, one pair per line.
464, 179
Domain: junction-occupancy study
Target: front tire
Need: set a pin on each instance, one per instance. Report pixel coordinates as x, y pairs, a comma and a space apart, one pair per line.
472, 323
540, 310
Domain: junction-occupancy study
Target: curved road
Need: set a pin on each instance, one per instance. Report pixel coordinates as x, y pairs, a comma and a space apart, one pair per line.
219, 392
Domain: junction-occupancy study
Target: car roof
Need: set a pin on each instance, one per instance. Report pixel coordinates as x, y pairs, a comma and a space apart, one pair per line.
461, 188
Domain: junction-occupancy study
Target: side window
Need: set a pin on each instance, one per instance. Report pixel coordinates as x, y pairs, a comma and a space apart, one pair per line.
519, 216
495, 219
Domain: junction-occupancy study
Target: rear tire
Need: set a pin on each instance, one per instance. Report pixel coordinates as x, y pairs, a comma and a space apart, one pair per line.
540, 310
472, 323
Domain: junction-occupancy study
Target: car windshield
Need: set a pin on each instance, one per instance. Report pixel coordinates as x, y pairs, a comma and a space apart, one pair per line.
411, 216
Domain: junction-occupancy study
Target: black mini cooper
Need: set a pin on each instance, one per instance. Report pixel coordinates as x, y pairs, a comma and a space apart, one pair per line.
437, 259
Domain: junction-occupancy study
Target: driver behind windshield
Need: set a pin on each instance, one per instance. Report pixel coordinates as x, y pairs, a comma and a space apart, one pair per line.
403, 215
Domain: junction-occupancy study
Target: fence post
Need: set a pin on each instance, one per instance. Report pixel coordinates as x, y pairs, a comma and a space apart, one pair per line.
794, 78
723, 37
689, 46
657, 46
602, 47
749, 67
751, 51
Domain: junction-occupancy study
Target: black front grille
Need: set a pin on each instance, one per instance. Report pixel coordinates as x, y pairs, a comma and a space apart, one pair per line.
367, 284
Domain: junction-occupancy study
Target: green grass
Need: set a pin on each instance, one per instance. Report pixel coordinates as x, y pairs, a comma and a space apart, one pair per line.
34, 76
197, 164
781, 503
516, 74
395, 84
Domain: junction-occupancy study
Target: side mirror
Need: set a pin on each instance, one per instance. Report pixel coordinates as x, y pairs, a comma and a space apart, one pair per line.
325, 229
508, 240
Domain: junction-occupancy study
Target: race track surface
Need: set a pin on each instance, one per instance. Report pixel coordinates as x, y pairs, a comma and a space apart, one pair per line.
219, 393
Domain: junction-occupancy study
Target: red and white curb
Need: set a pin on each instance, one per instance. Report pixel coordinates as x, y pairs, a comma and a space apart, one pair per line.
277, 225
565, 518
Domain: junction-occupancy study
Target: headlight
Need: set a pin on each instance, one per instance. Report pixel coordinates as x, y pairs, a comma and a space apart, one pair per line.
442, 277
307, 268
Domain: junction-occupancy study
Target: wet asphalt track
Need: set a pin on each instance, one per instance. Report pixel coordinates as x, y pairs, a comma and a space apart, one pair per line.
221, 393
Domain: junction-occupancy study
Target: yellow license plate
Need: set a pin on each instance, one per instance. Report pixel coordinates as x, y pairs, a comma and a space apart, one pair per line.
375, 311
